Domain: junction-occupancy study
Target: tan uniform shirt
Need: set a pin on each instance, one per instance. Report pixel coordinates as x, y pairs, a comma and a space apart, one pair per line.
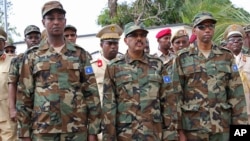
163, 57
4, 70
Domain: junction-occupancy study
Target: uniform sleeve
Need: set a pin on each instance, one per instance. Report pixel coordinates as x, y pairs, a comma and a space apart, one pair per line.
109, 106
14, 70
24, 99
90, 91
236, 97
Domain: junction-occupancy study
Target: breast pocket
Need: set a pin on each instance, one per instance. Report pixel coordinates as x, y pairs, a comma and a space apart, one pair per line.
124, 86
193, 74
154, 82
41, 72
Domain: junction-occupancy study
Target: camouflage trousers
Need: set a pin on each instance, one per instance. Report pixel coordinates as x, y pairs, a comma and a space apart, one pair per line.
60, 137
198, 136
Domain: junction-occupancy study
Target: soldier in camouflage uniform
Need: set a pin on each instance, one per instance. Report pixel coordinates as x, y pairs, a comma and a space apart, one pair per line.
57, 97
133, 93
208, 88
32, 36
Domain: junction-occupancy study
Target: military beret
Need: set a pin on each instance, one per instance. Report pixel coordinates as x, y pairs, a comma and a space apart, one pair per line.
234, 29
179, 33
163, 32
247, 28
52, 5
192, 38
110, 32
3, 34
31, 28
202, 16
132, 26
71, 27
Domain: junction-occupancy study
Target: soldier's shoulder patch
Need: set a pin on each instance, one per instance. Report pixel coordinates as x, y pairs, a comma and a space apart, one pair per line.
88, 70
167, 79
234, 68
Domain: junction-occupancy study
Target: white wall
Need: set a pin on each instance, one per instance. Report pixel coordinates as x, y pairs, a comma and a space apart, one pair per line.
92, 43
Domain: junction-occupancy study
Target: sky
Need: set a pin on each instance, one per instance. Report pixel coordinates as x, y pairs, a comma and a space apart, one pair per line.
82, 14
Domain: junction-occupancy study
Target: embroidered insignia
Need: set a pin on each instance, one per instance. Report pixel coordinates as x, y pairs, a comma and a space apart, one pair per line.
167, 79
235, 68
89, 70
112, 28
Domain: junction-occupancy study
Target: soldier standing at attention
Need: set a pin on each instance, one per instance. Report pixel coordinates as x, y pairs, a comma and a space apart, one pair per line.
8, 127
209, 90
57, 95
133, 97
109, 36
234, 35
32, 36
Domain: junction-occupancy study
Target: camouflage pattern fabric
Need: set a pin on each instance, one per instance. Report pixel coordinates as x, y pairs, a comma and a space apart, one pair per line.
57, 92
14, 71
134, 99
208, 91
59, 137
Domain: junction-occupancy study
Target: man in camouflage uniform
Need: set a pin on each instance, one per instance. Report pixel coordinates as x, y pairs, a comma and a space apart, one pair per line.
57, 95
32, 36
70, 33
208, 88
133, 93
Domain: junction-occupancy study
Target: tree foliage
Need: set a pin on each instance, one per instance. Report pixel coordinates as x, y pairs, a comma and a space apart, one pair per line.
162, 12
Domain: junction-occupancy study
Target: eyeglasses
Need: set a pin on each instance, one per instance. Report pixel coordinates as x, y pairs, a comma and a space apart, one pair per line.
9, 51
235, 40
203, 26
135, 35
71, 35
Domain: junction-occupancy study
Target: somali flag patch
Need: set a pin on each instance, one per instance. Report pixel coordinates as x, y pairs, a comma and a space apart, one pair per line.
234, 68
89, 70
167, 79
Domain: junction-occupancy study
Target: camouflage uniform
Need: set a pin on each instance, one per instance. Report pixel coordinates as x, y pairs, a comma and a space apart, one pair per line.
134, 99
208, 91
57, 92
14, 71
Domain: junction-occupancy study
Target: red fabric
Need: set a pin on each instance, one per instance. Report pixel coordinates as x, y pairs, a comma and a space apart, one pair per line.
99, 62
163, 32
192, 38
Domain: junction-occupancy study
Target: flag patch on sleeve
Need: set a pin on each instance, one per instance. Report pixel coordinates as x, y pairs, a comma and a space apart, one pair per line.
167, 79
89, 70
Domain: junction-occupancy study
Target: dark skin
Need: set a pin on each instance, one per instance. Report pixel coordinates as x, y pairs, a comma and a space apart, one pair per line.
234, 43
164, 44
110, 49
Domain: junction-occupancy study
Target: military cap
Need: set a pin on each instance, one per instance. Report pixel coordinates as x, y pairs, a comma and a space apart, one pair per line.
110, 32
163, 32
247, 28
9, 45
31, 28
132, 26
234, 29
52, 5
200, 17
71, 27
179, 33
3, 34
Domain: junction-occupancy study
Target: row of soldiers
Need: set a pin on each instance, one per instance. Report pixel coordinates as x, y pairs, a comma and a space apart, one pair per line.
186, 92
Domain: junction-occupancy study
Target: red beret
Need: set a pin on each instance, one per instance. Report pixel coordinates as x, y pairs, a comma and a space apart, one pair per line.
192, 38
163, 33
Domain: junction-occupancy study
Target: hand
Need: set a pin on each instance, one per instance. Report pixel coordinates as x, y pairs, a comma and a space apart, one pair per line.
182, 136
25, 139
13, 114
92, 138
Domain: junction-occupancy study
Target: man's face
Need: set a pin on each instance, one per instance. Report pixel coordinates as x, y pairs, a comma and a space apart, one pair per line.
136, 41
9, 50
164, 42
204, 31
180, 43
32, 39
54, 22
110, 49
70, 35
234, 43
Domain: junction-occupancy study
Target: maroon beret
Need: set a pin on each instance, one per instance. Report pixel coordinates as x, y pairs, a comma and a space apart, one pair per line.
163, 32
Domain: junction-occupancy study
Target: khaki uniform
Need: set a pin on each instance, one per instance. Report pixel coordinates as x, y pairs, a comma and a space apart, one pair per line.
163, 57
8, 128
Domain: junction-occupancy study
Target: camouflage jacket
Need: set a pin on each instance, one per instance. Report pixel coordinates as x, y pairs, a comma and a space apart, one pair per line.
208, 91
57, 92
134, 99
14, 71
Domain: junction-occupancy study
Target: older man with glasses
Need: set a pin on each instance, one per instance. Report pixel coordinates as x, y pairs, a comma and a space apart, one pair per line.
208, 88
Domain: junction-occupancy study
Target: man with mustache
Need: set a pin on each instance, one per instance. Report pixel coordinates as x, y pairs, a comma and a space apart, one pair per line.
208, 88
32, 36
109, 36
133, 93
